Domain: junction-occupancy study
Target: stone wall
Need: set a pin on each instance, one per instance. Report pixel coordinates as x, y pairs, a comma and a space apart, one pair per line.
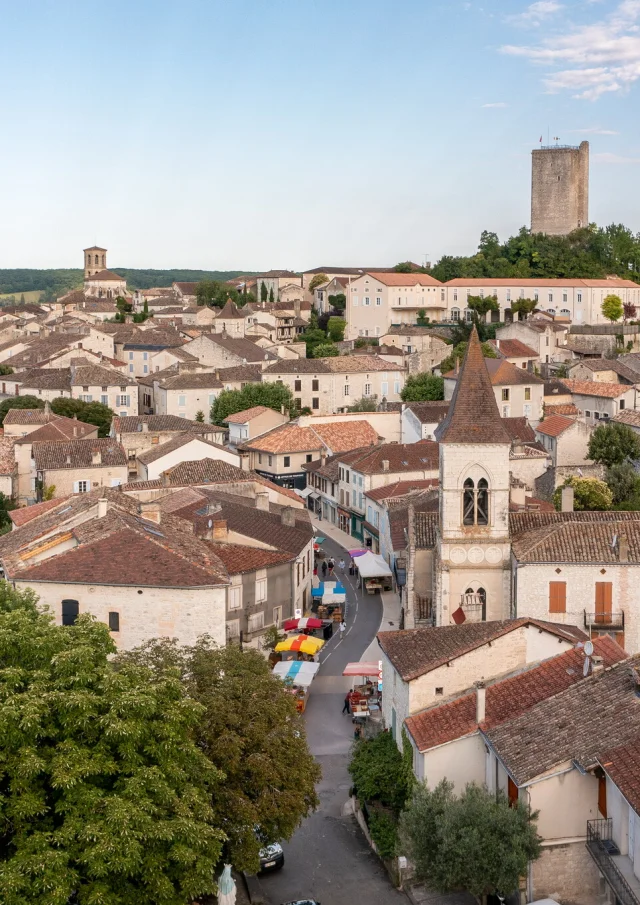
566, 873
559, 189
554, 477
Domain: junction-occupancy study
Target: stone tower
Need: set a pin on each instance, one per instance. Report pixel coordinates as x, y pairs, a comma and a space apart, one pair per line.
473, 550
95, 260
559, 189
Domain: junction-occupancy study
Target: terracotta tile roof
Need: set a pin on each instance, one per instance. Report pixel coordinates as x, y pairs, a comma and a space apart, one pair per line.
105, 275
350, 271
503, 373
241, 373
403, 279
554, 425
132, 424
580, 724
425, 521
45, 379
506, 698
513, 348
59, 428
204, 471
595, 388
78, 454
238, 558
400, 489
401, 457
428, 412
246, 415
187, 288
25, 514
568, 408
190, 380
515, 282
626, 416
473, 413
95, 375
27, 416
7, 456
266, 527
183, 439
230, 311
622, 765
415, 652
300, 366
243, 348
520, 429
173, 371
335, 436
607, 364
425, 524
572, 540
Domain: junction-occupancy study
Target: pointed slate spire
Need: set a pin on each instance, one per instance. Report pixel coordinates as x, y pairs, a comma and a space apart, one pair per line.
473, 415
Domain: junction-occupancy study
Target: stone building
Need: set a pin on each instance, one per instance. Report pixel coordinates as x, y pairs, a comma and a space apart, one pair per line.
95, 260
559, 189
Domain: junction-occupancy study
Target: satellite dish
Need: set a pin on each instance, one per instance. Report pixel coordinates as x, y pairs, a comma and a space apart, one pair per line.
210, 523
588, 648
585, 668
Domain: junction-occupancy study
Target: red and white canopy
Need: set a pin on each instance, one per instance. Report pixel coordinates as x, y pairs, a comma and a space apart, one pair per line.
369, 669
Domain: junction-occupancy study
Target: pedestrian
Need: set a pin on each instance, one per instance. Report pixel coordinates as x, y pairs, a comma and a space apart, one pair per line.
341, 565
324, 568
346, 707
357, 732
343, 627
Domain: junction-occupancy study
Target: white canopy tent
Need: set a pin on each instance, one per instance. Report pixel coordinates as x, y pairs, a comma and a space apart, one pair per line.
372, 565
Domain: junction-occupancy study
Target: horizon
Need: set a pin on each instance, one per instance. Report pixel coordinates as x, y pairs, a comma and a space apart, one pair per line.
325, 133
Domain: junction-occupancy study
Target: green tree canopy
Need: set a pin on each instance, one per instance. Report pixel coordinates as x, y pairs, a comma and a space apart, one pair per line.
273, 395
482, 305
613, 443
364, 404
264, 292
251, 733
317, 280
524, 307
336, 328
589, 494
215, 293
624, 483
378, 771
612, 307
458, 352
326, 350
338, 301
477, 842
422, 387
19, 402
105, 792
89, 412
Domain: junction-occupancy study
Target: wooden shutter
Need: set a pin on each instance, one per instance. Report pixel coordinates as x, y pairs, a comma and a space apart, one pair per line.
602, 795
512, 792
604, 595
557, 596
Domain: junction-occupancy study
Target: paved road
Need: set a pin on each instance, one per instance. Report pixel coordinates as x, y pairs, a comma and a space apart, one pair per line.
329, 858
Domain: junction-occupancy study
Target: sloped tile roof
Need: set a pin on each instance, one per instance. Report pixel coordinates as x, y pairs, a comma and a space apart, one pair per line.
415, 652
95, 375
28, 416
403, 279
504, 373
243, 348
45, 379
568, 408
336, 436
105, 275
427, 412
59, 428
238, 558
400, 489
25, 514
246, 414
520, 429
78, 454
575, 541
506, 698
595, 388
628, 416
132, 424
610, 364
230, 311
425, 521
401, 457
513, 348
554, 425
190, 380
580, 724
622, 765
183, 439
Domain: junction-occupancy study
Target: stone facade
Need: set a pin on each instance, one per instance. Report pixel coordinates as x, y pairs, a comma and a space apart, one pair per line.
567, 873
560, 189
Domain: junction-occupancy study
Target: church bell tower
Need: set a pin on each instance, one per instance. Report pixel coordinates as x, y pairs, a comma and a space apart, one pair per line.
95, 260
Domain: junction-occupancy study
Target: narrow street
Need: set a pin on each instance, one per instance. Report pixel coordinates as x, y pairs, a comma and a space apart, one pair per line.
328, 858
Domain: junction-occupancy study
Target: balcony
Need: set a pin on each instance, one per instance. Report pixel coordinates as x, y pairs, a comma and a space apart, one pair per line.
615, 868
604, 621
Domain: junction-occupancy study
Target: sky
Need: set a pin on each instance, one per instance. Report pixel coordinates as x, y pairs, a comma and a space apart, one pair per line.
258, 134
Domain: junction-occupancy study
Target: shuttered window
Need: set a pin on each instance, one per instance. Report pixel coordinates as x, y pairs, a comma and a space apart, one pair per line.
557, 597
114, 621
70, 610
604, 596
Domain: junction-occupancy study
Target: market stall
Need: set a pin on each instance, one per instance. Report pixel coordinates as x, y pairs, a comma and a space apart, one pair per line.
298, 677
374, 573
300, 644
329, 598
366, 691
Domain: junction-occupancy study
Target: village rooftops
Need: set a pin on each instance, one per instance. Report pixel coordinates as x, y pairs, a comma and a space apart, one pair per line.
97, 453
415, 652
397, 457
247, 415
512, 348
504, 373
230, 311
400, 489
506, 697
335, 436
609, 364
189, 380
428, 412
403, 279
576, 537
239, 346
25, 514
342, 364
555, 425
134, 424
29, 416
157, 452
238, 558
622, 765
628, 416
105, 276
186, 288
565, 408
595, 388
58, 428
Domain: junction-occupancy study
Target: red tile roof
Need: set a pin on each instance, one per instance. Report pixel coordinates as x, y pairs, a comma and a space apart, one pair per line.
595, 388
555, 425
568, 408
106, 276
238, 558
513, 348
246, 414
622, 765
506, 698
26, 513
403, 279
336, 436
399, 489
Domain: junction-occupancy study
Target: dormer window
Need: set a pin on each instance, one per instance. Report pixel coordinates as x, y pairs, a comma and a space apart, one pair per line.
475, 503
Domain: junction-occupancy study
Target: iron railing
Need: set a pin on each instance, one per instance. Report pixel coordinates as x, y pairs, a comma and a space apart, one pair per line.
602, 848
604, 620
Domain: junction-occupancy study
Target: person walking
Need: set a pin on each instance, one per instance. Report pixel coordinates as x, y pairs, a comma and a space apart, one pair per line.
343, 627
324, 568
341, 565
346, 707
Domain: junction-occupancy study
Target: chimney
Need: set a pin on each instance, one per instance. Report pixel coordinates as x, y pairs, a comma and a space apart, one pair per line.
481, 701
96, 457
75, 431
47, 412
145, 427
498, 344
296, 307
519, 494
623, 548
567, 499
457, 369
150, 511
220, 532
102, 507
262, 500
164, 477
288, 517
385, 465
323, 456
217, 373
597, 664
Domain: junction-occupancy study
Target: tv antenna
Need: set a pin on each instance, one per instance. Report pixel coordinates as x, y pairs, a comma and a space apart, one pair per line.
588, 651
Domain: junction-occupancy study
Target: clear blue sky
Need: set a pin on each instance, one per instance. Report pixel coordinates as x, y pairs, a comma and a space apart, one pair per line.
295, 133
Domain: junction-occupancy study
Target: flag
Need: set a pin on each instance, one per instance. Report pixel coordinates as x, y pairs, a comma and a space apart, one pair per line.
541, 139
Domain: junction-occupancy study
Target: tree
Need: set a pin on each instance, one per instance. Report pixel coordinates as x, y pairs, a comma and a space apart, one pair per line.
481, 306
250, 732
523, 307
458, 353
338, 301
264, 293
629, 311
271, 298
6, 506
325, 350
612, 307
215, 293
336, 328
19, 402
273, 395
613, 443
422, 387
589, 494
5, 370
89, 412
477, 842
378, 773
200, 417
365, 404
562, 371
624, 483
106, 795
318, 280
422, 319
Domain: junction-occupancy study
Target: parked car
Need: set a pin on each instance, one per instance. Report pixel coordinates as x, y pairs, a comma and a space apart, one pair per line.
303, 902
271, 857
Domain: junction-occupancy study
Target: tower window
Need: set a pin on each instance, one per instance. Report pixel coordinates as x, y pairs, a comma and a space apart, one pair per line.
475, 503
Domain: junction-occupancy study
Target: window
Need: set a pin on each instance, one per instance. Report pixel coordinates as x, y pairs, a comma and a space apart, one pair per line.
384, 388
104, 400
475, 503
455, 314
579, 298
277, 616
587, 413
621, 404
309, 457
557, 596
123, 400
468, 315
355, 301
287, 461
235, 598
315, 402
315, 386
550, 296
508, 295
396, 387
367, 300
526, 410
114, 621
70, 611
535, 296
505, 411
604, 596
261, 590
81, 486
527, 393
297, 386
367, 389
376, 519
439, 690
145, 369
564, 297
346, 389
255, 622
130, 356
270, 460
378, 301
182, 400
259, 458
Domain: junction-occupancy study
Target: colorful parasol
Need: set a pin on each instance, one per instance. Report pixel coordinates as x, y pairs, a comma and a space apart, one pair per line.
306, 622
354, 553
304, 643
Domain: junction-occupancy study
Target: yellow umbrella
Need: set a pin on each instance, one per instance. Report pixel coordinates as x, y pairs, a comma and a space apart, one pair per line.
304, 643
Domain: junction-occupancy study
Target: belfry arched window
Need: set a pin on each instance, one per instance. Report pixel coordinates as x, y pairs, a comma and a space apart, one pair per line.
475, 502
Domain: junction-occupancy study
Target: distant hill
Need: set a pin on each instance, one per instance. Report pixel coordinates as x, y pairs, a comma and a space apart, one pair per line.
53, 283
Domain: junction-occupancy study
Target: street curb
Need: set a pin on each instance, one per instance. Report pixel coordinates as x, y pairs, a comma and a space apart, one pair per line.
254, 888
